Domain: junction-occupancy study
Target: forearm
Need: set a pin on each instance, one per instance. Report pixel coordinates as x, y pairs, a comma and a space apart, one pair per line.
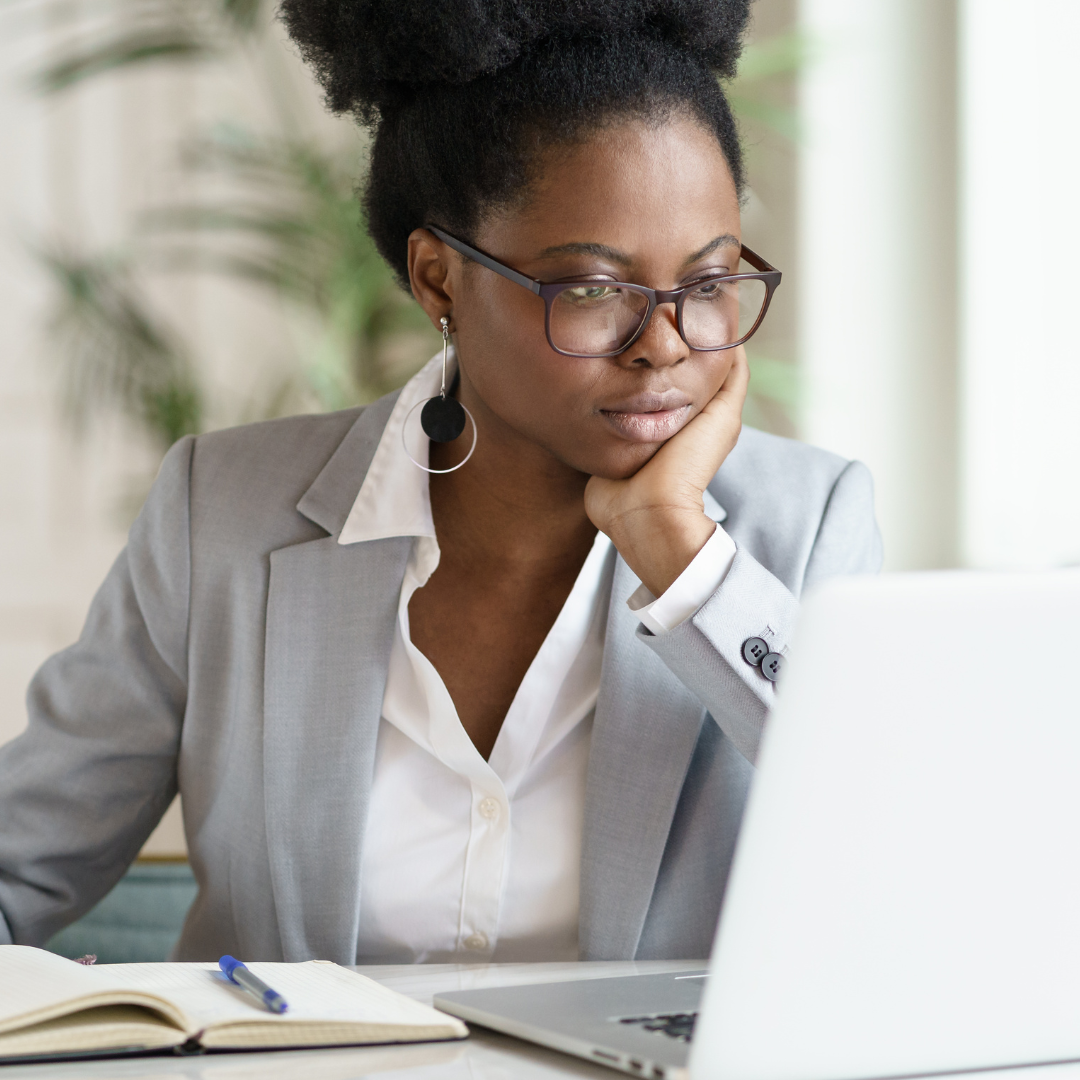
706, 650
83, 786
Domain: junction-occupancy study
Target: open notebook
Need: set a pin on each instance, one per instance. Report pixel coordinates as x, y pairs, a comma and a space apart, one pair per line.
52, 1006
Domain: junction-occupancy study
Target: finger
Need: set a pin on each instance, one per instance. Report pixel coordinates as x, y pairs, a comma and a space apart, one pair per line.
721, 418
712, 434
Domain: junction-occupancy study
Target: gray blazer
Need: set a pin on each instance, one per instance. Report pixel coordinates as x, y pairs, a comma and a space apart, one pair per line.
237, 653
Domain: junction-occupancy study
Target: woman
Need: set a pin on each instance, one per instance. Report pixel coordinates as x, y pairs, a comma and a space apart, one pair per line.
497, 696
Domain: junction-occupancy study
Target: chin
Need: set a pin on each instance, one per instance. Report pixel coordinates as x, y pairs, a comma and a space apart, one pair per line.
619, 463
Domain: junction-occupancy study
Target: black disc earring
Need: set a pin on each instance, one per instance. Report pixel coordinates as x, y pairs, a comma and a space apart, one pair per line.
442, 418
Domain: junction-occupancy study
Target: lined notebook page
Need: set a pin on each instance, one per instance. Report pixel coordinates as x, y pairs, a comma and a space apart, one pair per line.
36, 985
315, 992
33, 981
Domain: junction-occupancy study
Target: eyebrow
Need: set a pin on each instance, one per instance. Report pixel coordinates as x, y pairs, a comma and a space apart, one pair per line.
727, 240
602, 251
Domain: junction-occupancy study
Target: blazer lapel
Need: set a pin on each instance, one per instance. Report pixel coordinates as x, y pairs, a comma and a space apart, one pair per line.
644, 733
329, 630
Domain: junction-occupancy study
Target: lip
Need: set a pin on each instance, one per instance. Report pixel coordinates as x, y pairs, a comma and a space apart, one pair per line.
649, 417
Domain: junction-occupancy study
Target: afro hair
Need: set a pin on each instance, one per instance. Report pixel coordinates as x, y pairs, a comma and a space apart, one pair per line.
462, 95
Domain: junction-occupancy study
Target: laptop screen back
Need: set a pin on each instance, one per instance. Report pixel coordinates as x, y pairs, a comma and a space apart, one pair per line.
905, 897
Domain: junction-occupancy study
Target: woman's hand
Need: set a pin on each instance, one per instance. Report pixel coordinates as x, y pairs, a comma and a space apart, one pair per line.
656, 518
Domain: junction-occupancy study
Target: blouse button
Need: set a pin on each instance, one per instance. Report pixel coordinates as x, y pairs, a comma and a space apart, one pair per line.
489, 808
476, 940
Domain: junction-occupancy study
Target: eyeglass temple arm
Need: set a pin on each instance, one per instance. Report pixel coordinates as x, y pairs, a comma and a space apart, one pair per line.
757, 262
752, 257
485, 260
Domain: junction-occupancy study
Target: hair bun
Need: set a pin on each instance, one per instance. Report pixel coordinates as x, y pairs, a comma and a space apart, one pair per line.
369, 53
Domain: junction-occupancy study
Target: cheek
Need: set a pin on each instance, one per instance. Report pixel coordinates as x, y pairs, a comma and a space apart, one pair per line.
718, 368
514, 370
537, 392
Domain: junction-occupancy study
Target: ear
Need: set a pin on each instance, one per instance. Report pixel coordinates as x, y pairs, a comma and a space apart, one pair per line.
432, 274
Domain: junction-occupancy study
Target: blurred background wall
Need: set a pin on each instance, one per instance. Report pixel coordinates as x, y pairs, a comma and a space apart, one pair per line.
180, 250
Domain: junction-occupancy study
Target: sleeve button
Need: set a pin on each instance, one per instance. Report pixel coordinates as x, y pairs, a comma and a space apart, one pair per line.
772, 666
754, 650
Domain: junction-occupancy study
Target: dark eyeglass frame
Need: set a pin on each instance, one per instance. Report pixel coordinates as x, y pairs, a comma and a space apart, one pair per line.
547, 291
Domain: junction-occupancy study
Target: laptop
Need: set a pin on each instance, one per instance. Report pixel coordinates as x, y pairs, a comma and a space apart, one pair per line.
905, 897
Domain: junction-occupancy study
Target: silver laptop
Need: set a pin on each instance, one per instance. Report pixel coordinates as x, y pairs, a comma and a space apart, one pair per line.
905, 897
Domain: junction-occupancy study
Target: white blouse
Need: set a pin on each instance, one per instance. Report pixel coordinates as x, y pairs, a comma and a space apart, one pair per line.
466, 859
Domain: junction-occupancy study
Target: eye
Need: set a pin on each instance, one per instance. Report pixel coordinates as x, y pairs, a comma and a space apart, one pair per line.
585, 295
711, 290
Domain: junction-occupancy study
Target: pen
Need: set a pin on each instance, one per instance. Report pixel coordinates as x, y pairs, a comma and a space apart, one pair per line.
239, 974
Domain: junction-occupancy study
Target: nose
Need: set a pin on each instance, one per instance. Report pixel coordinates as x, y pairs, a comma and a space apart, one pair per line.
660, 345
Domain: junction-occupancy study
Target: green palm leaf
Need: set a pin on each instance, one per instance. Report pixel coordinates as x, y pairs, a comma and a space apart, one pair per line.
114, 353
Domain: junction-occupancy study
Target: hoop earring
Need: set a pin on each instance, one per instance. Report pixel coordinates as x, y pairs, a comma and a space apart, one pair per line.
442, 418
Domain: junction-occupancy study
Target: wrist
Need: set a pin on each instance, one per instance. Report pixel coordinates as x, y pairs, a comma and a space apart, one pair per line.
659, 544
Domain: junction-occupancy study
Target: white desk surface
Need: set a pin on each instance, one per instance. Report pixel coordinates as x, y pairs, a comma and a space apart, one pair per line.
485, 1055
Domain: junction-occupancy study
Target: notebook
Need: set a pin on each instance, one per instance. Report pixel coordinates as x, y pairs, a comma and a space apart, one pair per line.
50, 1006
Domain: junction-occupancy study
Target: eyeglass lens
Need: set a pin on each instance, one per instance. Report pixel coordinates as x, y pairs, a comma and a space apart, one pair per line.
597, 318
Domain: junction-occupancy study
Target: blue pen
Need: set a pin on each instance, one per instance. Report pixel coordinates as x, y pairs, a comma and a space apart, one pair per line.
239, 974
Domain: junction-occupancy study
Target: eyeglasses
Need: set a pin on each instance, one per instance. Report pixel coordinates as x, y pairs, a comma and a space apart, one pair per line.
604, 318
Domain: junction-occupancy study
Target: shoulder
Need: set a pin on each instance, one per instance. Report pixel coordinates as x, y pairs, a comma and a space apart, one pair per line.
294, 443
245, 482
770, 466
777, 491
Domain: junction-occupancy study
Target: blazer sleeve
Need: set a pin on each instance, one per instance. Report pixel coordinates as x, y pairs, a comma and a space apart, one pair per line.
84, 785
705, 651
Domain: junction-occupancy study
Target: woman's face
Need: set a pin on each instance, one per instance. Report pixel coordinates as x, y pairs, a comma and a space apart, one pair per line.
649, 204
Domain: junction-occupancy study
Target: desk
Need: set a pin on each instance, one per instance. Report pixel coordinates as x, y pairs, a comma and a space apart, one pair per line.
485, 1055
